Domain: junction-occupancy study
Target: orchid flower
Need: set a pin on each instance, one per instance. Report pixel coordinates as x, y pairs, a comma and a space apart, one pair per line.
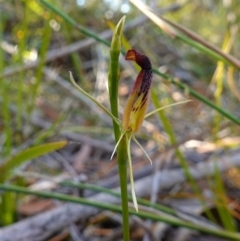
135, 109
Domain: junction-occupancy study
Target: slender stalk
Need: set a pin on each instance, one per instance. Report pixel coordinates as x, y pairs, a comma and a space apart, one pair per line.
113, 74
122, 169
113, 80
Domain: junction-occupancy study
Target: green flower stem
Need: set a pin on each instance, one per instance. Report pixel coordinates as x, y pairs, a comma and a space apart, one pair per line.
113, 81
114, 73
155, 70
107, 206
122, 169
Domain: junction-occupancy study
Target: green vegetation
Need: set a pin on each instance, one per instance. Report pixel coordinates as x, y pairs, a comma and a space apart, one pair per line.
193, 49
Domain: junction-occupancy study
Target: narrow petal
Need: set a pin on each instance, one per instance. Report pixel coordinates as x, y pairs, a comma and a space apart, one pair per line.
134, 199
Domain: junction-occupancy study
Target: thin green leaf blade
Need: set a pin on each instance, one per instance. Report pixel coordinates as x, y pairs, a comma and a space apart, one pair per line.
28, 154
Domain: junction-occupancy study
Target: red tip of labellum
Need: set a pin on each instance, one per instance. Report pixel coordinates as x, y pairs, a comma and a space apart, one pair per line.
131, 55
142, 60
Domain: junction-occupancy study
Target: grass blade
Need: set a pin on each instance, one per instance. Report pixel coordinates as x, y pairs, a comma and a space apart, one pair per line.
107, 206
192, 38
25, 155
